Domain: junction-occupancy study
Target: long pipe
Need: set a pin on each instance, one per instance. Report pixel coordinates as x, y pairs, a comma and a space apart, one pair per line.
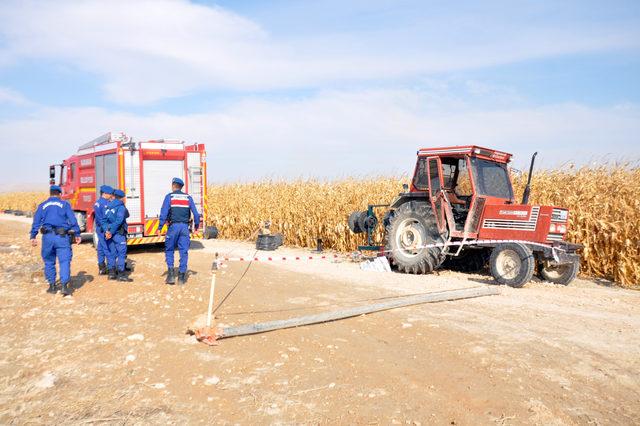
416, 299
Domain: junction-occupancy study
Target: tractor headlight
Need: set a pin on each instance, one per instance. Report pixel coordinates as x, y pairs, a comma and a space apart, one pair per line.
553, 228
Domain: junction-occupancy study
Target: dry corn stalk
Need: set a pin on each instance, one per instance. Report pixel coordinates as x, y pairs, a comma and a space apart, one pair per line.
603, 201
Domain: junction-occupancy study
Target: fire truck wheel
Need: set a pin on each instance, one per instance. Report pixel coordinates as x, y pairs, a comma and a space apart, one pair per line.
409, 229
560, 274
512, 264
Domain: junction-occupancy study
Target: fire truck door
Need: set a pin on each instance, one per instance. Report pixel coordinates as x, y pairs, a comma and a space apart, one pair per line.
106, 171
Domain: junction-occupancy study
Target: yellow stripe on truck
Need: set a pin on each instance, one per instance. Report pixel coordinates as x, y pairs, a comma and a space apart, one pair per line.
144, 240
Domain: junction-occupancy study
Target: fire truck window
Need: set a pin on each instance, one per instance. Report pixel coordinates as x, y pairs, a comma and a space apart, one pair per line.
72, 172
462, 186
492, 179
434, 174
63, 175
420, 180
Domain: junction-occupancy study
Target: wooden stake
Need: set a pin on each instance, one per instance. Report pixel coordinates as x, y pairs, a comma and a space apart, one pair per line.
211, 294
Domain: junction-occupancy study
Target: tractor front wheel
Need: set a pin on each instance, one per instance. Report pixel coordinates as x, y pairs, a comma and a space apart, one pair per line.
560, 274
412, 239
512, 264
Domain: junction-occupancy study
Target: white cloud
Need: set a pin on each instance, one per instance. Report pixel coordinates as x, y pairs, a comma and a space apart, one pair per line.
12, 97
330, 135
148, 50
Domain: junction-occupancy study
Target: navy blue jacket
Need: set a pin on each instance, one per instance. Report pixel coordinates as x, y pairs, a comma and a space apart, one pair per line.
177, 208
54, 213
99, 209
115, 217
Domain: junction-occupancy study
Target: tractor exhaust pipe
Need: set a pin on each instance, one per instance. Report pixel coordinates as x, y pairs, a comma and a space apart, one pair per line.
527, 189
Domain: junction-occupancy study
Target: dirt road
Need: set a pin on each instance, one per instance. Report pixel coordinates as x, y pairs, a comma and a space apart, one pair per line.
118, 353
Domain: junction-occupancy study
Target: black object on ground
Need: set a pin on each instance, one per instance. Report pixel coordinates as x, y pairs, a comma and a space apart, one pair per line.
269, 242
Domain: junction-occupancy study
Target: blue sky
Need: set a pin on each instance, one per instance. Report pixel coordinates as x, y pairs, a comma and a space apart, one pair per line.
286, 89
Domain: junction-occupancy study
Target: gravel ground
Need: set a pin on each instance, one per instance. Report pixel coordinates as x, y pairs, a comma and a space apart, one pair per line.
118, 353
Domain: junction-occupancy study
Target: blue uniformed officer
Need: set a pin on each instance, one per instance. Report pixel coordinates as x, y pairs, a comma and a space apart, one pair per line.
176, 211
115, 232
99, 209
55, 220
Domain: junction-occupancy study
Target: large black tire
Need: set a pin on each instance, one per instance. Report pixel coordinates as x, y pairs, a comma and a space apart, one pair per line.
352, 221
210, 232
269, 242
470, 260
408, 229
512, 264
562, 274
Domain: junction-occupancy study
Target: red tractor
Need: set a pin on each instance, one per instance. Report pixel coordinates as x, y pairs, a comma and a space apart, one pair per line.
460, 212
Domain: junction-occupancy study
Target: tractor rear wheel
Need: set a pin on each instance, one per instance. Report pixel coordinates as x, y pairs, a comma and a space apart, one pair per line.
560, 274
409, 229
512, 264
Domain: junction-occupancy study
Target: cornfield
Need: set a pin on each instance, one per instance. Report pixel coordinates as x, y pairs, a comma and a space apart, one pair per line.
603, 203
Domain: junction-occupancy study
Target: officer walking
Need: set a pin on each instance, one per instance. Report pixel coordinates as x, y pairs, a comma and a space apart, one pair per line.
114, 224
54, 218
176, 211
99, 209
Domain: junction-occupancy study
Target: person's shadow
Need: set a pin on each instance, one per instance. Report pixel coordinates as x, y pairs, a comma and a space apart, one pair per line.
78, 281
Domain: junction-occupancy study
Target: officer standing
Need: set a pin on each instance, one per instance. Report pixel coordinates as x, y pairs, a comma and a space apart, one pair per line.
176, 211
54, 218
99, 209
115, 232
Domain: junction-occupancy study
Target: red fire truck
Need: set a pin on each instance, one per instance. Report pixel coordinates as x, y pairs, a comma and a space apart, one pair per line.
143, 169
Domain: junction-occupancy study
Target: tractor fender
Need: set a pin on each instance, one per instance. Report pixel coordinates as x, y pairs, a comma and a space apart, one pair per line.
405, 197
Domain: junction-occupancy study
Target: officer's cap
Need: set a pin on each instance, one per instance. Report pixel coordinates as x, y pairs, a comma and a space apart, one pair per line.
106, 189
178, 181
118, 193
55, 188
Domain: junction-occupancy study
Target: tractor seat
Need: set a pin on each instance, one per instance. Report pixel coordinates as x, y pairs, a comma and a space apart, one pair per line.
453, 198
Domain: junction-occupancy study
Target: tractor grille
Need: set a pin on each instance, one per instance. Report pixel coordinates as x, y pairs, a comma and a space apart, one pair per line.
517, 225
559, 215
555, 237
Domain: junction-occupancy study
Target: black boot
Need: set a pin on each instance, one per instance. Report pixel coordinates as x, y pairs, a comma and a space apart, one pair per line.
112, 274
102, 269
171, 276
52, 289
122, 276
182, 278
66, 291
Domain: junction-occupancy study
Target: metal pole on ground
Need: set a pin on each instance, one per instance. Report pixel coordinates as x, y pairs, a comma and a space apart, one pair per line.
398, 302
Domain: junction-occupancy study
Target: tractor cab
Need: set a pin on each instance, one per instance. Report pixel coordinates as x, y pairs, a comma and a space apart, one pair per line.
458, 183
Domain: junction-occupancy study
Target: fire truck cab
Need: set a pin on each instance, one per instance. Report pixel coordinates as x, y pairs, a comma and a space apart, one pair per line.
143, 169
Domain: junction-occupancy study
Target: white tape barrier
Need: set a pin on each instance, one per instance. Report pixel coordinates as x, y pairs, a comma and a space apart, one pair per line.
267, 259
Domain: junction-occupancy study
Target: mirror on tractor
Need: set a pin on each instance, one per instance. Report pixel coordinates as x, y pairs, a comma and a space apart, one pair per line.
52, 175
